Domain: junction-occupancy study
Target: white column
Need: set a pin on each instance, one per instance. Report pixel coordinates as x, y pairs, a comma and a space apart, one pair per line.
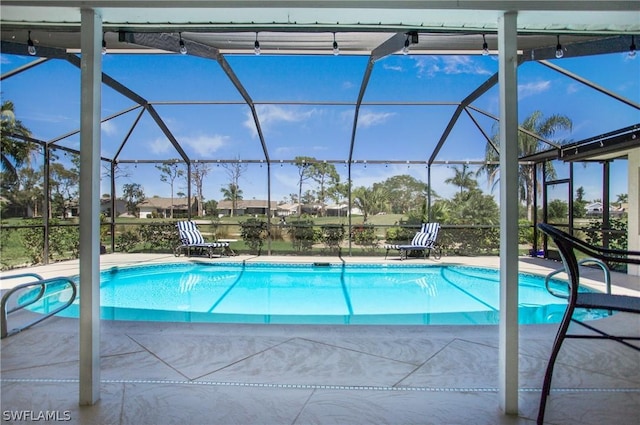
90, 100
508, 84
633, 214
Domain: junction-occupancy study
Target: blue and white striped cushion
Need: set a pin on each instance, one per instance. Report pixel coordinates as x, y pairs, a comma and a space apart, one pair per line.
187, 225
421, 239
431, 228
191, 237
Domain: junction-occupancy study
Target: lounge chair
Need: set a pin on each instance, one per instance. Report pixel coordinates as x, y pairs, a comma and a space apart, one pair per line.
192, 239
567, 245
424, 240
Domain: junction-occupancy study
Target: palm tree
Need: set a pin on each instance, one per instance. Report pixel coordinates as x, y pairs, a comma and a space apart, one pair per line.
14, 151
370, 200
527, 145
462, 178
232, 193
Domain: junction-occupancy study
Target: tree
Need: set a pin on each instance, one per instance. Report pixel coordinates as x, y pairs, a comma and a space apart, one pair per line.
29, 193
210, 207
622, 198
408, 192
133, 195
234, 171
64, 188
463, 179
557, 211
304, 164
199, 171
579, 204
339, 191
232, 193
527, 145
327, 177
370, 200
170, 172
14, 150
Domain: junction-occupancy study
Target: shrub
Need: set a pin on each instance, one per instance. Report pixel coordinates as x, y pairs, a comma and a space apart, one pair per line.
302, 234
159, 237
399, 234
253, 232
332, 235
617, 238
64, 241
364, 235
33, 241
525, 232
127, 240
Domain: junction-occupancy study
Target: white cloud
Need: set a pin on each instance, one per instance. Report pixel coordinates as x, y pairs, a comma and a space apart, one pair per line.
369, 119
573, 88
205, 146
346, 85
463, 65
392, 67
530, 89
270, 115
429, 66
109, 128
160, 145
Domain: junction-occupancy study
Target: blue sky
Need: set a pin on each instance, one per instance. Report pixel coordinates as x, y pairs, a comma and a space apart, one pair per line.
46, 100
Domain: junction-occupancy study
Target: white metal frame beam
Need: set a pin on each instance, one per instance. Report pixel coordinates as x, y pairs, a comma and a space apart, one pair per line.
508, 328
90, 100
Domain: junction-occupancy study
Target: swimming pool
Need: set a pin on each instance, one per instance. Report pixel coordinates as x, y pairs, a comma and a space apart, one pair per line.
317, 293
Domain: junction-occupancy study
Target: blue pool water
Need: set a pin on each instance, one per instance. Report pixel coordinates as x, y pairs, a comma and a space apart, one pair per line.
316, 294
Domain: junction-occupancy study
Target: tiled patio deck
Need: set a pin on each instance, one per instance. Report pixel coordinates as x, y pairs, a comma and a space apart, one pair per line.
163, 373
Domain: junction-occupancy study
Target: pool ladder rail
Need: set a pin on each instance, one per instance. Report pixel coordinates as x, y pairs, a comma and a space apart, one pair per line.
602, 264
42, 284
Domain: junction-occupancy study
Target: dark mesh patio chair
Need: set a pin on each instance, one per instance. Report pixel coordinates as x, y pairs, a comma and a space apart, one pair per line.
568, 245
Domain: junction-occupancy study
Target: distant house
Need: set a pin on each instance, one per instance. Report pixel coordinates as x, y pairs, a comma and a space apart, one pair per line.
247, 207
162, 207
338, 210
594, 208
105, 207
286, 210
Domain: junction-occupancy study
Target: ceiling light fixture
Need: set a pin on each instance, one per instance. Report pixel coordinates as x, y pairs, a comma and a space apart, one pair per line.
559, 51
336, 49
183, 48
256, 46
485, 46
632, 47
30, 47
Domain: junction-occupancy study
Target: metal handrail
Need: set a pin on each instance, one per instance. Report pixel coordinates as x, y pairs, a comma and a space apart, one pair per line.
602, 264
19, 276
42, 283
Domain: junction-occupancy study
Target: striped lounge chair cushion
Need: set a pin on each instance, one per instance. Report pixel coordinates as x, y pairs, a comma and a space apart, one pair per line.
187, 225
191, 237
421, 239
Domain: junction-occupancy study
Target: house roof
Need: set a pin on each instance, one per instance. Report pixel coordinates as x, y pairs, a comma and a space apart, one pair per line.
179, 203
249, 203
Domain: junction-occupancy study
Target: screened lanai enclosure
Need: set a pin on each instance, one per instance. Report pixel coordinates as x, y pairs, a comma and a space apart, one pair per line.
309, 119
316, 139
